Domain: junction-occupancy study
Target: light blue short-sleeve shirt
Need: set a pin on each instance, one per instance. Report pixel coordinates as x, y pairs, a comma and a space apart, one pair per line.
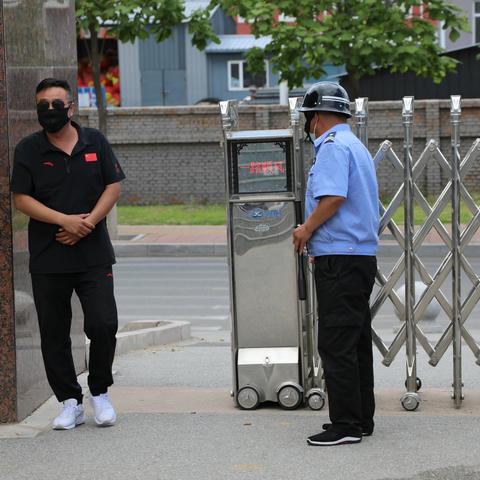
343, 167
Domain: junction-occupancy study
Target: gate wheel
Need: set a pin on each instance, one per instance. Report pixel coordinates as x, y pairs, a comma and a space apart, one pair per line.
410, 401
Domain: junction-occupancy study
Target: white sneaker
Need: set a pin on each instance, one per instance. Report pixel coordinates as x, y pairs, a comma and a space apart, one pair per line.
72, 414
105, 415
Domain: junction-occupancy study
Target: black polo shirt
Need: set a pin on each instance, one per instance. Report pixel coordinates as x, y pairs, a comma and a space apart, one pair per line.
71, 184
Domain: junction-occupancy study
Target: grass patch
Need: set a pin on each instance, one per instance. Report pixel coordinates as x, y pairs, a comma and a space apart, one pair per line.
215, 214
445, 215
172, 215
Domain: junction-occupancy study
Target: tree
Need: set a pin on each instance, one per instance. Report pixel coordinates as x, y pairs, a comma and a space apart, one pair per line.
128, 20
362, 35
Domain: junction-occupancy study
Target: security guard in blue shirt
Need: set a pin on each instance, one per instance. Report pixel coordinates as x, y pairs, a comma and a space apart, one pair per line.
341, 234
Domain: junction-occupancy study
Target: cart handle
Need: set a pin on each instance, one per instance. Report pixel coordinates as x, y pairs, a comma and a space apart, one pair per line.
301, 281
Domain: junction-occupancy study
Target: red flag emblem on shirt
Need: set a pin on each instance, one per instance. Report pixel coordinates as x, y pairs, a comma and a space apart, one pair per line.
90, 157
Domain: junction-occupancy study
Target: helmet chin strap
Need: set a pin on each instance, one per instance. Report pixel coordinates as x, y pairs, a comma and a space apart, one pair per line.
308, 119
307, 132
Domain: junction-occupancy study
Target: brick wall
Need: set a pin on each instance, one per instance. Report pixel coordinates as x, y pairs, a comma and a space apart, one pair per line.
174, 154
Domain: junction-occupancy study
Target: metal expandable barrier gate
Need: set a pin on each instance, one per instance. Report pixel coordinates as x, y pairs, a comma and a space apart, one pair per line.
410, 240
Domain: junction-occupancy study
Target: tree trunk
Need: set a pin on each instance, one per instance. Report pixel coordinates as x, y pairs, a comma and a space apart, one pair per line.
101, 107
102, 118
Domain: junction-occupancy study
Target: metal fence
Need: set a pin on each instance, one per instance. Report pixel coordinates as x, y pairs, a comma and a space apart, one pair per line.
411, 238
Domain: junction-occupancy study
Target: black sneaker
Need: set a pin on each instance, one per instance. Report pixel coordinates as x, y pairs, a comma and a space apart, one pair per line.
366, 432
329, 439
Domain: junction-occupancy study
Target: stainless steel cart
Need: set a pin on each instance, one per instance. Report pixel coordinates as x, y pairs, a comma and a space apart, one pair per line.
274, 352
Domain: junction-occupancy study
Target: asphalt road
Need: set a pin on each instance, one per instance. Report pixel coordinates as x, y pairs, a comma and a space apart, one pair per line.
197, 290
191, 289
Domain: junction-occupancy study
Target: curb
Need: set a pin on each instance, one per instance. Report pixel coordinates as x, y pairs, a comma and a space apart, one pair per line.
160, 333
124, 250
40, 420
169, 250
166, 332
137, 337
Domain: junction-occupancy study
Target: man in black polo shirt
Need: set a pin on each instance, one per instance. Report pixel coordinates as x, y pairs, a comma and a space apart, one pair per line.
66, 179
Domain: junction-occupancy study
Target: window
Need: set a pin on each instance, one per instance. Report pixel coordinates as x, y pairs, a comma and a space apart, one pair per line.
476, 20
239, 78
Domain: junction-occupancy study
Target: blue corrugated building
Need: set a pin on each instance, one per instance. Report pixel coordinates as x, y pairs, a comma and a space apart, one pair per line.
174, 72
228, 77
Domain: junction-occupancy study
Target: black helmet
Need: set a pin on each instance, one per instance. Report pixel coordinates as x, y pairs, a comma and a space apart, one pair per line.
326, 97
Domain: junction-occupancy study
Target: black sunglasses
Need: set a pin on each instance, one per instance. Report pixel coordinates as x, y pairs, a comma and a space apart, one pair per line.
57, 104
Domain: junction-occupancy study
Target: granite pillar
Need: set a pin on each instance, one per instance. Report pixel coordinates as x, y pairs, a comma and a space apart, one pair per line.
37, 40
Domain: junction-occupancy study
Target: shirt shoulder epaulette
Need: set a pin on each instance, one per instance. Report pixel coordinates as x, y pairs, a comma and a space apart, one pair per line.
330, 137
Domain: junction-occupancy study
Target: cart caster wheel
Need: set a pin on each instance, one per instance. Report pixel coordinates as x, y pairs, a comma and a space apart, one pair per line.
289, 397
410, 401
248, 398
316, 401
418, 383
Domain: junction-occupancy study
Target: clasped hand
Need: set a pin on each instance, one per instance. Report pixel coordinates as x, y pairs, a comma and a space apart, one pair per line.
74, 228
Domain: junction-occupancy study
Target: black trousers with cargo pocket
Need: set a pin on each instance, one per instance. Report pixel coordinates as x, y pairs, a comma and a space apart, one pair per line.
53, 295
344, 284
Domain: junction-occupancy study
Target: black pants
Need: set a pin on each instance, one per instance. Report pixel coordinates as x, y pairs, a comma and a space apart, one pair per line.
52, 295
344, 284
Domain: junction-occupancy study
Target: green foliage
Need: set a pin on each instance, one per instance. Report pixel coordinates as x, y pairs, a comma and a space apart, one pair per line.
131, 19
361, 34
128, 20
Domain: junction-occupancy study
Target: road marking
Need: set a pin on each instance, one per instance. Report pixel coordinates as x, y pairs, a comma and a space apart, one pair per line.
210, 318
206, 329
167, 296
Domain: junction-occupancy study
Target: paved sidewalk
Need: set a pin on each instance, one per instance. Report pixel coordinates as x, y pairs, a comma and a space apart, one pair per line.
178, 422
173, 234
215, 234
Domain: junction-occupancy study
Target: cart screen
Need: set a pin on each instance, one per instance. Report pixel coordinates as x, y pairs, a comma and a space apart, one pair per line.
261, 167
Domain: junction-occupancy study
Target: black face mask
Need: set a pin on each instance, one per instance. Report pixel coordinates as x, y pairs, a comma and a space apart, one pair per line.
54, 119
